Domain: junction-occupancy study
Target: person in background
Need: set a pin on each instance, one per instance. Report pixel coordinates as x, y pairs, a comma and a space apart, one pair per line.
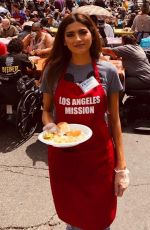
122, 13
30, 5
135, 62
47, 24
50, 18
85, 179
26, 30
125, 4
16, 24
111, 3
66, 13
18, 14
69, 4
56, 19
59, 4
27, 13
3, 49
119, 22
37, 42
8, 30
107, 28
15, 60
141, 23
13, 66
100, 29
40, 7
131, 19
44, 24
3, 9
100, 3
34, 17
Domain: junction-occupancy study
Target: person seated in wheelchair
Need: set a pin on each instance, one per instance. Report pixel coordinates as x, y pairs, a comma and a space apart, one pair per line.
13, 65
135, 63
15, 60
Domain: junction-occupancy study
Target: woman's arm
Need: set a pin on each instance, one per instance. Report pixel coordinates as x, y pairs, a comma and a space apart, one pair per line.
47, 107
114, 119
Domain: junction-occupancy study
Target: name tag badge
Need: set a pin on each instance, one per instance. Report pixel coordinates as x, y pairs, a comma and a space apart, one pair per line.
88, 84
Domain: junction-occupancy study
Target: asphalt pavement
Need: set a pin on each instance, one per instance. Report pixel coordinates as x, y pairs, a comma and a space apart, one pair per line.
25, 196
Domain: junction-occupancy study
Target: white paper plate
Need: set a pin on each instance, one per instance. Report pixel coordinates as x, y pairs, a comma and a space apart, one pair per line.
85, 129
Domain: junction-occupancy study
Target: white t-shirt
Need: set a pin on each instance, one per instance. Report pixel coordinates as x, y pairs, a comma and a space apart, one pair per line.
108, 30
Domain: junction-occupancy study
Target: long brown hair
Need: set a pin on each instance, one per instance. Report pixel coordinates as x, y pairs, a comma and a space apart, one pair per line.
60, 54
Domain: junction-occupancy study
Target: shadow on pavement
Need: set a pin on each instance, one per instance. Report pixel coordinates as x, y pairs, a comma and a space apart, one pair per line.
37, 152
138, 128
9, 138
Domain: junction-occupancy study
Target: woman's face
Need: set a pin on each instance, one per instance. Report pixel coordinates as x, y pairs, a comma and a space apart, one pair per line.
78, 38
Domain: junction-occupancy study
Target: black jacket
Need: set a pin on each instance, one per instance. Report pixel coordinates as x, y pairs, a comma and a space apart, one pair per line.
12, 63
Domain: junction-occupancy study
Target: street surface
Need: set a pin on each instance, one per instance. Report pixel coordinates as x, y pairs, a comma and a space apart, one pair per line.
25, 196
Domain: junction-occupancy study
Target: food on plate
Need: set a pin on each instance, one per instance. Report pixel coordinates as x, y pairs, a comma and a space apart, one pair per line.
64, 134
67, 139
63, 128
74, 133
47, 135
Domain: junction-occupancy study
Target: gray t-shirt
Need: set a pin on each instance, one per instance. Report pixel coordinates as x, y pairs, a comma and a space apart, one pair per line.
78, 73
134, 61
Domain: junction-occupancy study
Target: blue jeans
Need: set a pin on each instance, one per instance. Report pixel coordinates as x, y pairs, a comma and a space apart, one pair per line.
69, 227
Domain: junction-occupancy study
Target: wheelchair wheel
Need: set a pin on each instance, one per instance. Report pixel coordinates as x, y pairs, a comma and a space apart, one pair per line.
28, 113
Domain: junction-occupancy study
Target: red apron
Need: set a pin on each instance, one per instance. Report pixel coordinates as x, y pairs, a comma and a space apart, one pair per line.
82, 177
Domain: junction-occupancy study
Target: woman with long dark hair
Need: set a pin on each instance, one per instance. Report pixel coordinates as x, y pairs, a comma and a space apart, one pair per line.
78, 88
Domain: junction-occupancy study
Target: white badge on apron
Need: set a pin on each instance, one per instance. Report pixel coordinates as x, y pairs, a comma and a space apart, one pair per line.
88, 84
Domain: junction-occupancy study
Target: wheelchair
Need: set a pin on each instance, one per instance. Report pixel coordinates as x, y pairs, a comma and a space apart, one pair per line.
20, 99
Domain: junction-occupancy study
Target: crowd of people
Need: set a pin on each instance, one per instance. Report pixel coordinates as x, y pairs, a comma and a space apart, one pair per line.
17, 17
22, 14
33, 21
78, 87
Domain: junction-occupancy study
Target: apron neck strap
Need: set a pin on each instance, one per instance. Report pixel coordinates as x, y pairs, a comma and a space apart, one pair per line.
96, 72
